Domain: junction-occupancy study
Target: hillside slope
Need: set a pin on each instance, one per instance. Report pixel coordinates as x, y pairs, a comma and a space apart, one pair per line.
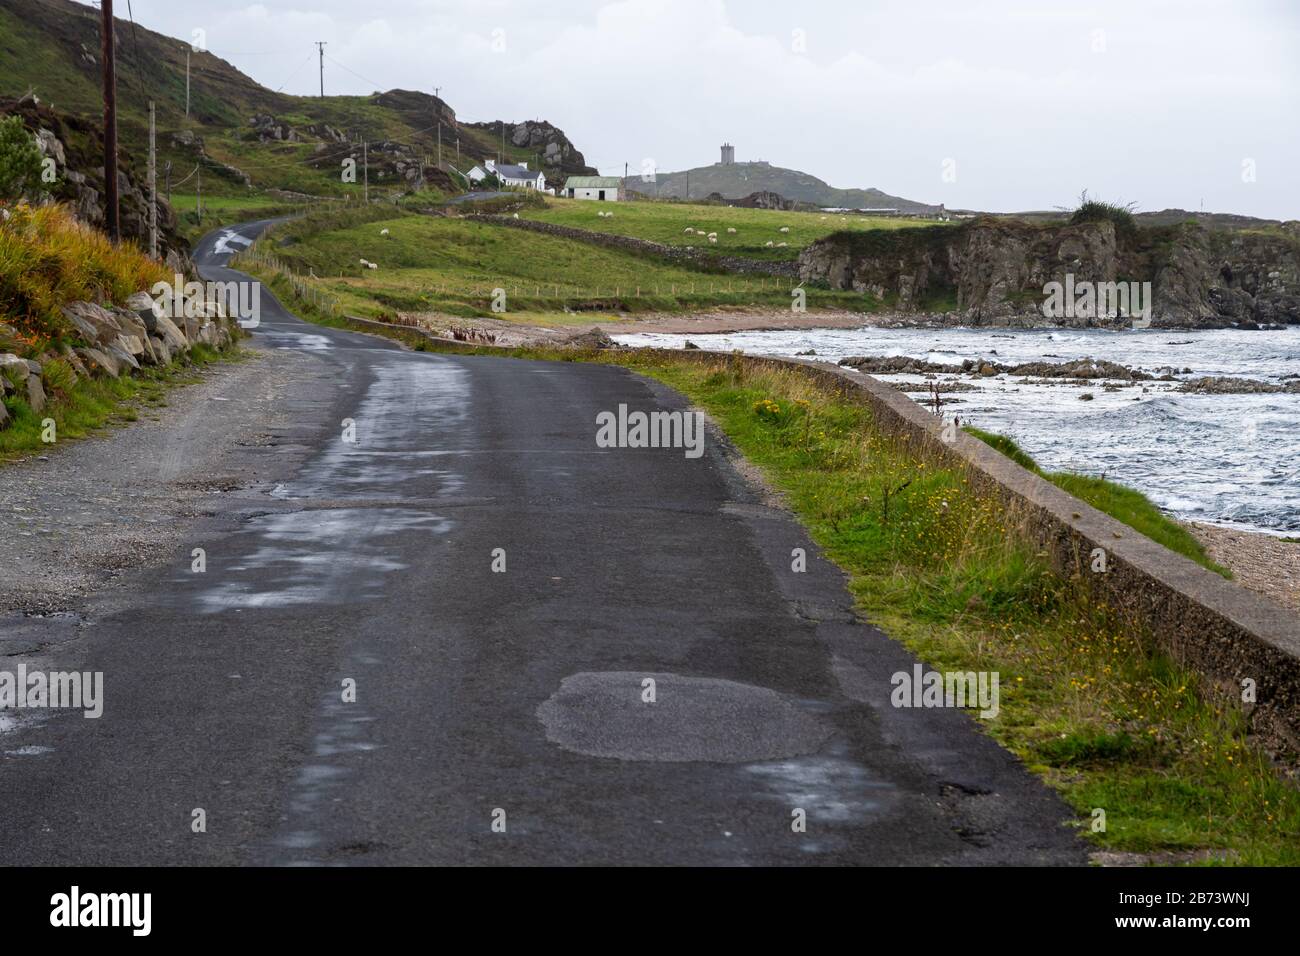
243, 135
738, 180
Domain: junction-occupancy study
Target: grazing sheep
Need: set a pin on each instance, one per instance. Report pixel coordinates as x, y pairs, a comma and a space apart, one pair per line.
784, 229
373, 265
713, 239
689, 231
383, 232
713, 235
769, 243
782, 245
516, 215
731, 231
363, 263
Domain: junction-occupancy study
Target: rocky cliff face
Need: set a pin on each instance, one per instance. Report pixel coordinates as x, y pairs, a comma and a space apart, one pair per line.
76, 146
993, 271
559, 156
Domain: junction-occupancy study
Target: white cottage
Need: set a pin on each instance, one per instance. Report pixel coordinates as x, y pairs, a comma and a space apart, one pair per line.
519, 176
601, 188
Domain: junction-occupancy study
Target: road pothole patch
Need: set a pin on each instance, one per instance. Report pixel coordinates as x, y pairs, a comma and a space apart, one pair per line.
606, 714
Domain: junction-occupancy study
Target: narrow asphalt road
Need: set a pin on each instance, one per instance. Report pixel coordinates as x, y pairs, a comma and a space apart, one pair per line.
351, 682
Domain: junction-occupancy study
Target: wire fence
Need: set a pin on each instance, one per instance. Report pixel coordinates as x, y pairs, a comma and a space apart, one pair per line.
301, 286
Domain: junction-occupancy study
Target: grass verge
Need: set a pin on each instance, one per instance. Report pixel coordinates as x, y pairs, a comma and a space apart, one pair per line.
1119, 501
96, 403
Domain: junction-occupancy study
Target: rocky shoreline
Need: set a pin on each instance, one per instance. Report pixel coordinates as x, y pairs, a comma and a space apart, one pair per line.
1073, 371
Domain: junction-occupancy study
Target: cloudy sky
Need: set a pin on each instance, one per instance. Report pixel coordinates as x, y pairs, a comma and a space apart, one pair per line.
986, 104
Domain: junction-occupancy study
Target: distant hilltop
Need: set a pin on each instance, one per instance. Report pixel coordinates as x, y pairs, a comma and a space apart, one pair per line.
733, 180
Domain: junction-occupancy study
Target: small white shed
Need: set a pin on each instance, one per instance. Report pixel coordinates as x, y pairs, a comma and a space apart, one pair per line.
600, 188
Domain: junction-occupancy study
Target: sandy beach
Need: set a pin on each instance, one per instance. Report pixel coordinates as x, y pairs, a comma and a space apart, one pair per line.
1261, 562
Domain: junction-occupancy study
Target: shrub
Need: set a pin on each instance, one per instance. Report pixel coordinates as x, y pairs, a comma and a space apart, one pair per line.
20, 161
1095, 210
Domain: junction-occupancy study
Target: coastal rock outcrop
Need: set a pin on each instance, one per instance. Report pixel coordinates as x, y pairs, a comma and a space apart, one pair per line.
995, 271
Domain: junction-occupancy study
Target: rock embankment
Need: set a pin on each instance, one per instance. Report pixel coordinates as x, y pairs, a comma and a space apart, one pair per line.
995, 272
111, 341
1086, 368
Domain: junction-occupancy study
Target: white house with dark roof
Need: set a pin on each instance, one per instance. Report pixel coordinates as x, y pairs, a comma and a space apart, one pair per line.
519, 176
600, 188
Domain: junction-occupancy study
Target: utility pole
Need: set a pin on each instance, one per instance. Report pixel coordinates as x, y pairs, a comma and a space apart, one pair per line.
320, 49
365, 163
187, 83
153, 185
111, 218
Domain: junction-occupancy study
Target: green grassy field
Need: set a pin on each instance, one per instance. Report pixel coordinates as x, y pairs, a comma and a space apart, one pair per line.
666, 222
451, 266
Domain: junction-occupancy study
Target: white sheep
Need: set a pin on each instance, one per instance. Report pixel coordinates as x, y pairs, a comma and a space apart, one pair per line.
713, 239
373, 265
363, 263
769, 243
713, 235
688, 231
516, 215
782, 245
383, 232
731, 231
784, 229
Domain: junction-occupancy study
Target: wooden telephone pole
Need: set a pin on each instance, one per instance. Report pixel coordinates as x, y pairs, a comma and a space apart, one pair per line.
111, 218
320, 48
153, 186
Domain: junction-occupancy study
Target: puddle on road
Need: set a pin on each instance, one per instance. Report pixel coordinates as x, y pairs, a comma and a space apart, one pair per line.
327, 556
408, 404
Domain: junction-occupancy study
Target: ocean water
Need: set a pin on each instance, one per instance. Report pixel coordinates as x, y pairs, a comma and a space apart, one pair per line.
1223, 459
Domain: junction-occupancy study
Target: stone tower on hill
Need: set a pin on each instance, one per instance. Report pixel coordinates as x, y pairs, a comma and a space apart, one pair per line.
728, 154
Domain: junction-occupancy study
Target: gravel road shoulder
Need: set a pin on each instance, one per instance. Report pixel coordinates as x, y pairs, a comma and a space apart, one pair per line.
75, 518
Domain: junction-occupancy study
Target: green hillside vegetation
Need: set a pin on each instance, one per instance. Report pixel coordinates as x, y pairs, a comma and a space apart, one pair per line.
52, 48
429, 264
667, 222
